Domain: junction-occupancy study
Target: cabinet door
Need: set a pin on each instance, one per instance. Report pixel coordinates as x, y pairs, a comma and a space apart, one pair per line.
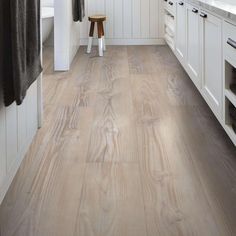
193, 44
181, 31
211, 44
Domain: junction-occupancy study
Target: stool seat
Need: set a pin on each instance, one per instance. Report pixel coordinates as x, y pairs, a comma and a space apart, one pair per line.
97, 18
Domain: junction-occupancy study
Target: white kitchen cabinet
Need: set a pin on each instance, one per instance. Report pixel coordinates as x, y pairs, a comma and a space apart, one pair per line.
181, 30
193, 44
229, 67
212, 62
205, 45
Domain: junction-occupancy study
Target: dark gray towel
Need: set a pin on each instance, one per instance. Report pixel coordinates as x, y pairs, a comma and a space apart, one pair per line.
6, 69
78, 10
21, 47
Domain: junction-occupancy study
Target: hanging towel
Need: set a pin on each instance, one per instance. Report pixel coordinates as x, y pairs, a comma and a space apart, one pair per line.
78, 10
21, 47
1, 52
6, 73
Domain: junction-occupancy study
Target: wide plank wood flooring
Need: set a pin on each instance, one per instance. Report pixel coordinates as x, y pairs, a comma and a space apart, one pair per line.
128, 148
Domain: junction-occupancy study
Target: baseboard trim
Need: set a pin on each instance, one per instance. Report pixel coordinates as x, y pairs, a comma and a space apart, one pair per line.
159, 41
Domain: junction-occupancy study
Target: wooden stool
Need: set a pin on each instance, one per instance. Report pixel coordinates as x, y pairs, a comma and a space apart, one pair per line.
99, 19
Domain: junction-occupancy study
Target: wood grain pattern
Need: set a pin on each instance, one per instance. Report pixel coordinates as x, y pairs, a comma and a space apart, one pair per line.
124, 151
111, 203
113, 136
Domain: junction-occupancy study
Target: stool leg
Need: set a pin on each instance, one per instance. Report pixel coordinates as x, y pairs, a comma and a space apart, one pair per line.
90, 42
103, 38
104, 44
100, 44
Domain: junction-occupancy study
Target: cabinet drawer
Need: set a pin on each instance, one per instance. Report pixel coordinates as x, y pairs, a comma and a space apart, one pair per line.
230, 40
165, 3
169, 5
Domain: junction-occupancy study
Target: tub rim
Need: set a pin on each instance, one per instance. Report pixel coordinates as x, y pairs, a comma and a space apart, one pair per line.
47, 12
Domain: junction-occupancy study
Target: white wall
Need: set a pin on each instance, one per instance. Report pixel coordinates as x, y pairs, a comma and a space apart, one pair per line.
233, 2
47, 3
50, 41
18, 125
128, 21
74, 38
66, 35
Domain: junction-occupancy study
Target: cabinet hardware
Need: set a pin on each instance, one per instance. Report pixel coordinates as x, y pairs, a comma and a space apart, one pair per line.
165, 0
203, 15
171, 3
181, 3
232, 43
195, 10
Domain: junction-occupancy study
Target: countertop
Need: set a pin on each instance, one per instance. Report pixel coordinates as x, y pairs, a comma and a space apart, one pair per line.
220, 7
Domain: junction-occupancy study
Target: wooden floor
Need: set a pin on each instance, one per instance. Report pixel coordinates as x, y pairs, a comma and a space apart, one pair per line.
128, 148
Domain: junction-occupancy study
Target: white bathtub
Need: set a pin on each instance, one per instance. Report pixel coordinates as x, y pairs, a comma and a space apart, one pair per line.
47, 21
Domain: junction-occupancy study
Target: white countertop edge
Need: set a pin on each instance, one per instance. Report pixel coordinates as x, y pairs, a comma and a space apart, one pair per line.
221, 8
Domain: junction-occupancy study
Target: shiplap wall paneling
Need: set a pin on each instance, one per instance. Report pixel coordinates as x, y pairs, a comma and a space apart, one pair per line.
11, 135
32, 111
118, 19
84, 25
127, 20
145, 19
21, 125
3, 158
136, 19
109, 25
155, 15
18, 125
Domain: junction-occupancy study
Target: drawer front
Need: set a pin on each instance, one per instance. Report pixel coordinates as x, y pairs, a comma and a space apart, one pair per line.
165, 3
169, 5
230, 40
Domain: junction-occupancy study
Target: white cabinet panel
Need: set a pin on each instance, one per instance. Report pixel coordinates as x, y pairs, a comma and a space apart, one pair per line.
181, 30
211, 42
193, 44
229, 37
208, 63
